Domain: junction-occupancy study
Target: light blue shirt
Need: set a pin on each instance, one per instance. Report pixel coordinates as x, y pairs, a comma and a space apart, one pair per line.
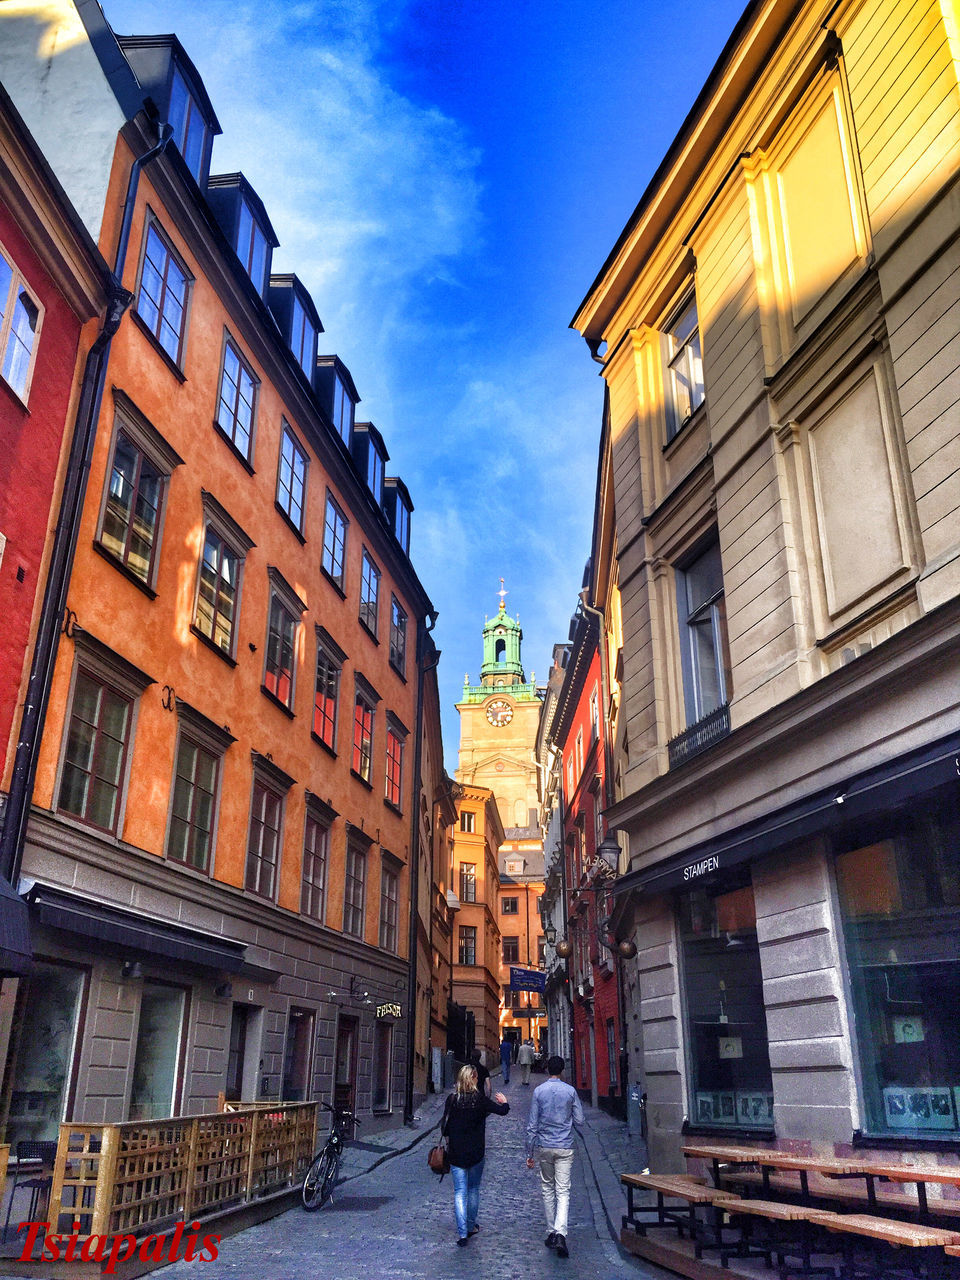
554, 1110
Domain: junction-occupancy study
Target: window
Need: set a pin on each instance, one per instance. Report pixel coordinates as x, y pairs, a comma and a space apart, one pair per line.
264, 842
394, 781
97, 741
511, 950
291, 478
468, 821
594, 715
375, 471
510, 906
468, 882
398, 635
388, 908
195, 779
731, 1083
252, 247
402, 525
131, 517
217, 599
342, 410
313, 885
362, 735
899, 888
238, 397
162, 297
334, 542
685, 367
326, 698
353, 892
570, 777
20, 317
281, 643
703, 634
369, 591
161, 1026
612, 1065
298, 1055
189, 127
579, 753
468, 944
541, 952
303, 339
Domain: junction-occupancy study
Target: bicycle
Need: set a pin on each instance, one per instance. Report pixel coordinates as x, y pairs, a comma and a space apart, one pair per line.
321, 1176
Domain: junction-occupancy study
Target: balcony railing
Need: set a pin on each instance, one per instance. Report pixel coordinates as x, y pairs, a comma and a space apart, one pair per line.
700, 736
519, 692
121, 1178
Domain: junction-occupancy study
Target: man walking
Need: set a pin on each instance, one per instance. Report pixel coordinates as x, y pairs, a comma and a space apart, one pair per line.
554, 1110
525, 1060
506, 1057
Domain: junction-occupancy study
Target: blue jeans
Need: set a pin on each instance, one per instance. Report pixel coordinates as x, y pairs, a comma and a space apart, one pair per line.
466, 1196
505, 1063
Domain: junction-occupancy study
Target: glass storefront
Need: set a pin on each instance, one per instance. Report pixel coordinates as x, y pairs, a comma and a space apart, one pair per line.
153, 1094
47, 1016
729, 1061
898, 877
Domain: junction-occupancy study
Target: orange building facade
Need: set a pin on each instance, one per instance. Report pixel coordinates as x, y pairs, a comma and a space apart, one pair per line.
223, 817
477, 837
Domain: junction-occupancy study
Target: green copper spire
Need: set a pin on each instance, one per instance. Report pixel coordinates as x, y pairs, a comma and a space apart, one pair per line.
501, 648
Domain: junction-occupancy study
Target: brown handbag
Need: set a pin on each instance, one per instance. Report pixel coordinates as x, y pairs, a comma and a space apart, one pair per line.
438, 1160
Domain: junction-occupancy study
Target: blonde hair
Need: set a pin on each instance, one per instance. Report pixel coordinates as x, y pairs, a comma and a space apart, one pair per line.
466, 1080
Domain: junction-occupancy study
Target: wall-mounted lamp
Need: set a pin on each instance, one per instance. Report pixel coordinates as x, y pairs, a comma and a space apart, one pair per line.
550, 934
131, 969
358, 991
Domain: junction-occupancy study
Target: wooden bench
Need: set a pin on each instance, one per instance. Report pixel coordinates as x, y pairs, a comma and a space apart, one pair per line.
789, 1234
673, 1187
888, 1236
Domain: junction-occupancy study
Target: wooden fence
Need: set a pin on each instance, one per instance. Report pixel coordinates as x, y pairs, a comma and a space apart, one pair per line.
146, 1175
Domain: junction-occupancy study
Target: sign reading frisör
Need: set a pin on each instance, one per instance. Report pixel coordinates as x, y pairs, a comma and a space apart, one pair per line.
390, 1010
527, 979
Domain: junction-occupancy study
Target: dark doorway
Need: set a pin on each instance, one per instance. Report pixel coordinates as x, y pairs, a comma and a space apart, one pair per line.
298, 1057
345, 1066
239, 1024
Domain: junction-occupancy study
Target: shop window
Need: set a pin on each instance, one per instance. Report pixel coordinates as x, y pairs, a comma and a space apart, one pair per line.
156, 1063
899, 888
44, 1037
298, 1055
729, 1060
382, 1056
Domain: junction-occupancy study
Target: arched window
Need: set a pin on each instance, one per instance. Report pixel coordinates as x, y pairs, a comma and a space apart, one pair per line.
501, 651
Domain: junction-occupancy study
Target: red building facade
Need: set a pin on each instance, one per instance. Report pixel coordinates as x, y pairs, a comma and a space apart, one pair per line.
579, 734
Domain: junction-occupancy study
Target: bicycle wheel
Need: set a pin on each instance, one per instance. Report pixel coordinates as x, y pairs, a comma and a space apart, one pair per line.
319, 1179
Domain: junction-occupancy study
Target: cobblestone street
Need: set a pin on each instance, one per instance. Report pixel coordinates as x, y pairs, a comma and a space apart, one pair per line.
396, 1221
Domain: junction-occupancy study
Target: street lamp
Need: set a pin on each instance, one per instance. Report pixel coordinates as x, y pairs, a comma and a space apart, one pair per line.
549, 934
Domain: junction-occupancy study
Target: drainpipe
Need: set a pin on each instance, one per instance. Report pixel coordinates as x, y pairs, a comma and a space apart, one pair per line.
65, 543
412, 939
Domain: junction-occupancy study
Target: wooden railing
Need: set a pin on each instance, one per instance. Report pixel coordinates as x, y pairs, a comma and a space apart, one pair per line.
127, 1178
4, 1160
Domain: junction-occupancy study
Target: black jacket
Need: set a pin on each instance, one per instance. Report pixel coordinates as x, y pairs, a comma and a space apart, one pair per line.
464, 1122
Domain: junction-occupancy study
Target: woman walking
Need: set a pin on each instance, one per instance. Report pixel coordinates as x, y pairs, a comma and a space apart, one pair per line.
464, 1124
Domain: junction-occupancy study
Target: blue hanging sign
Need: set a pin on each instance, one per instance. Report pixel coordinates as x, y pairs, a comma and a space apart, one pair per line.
527, 980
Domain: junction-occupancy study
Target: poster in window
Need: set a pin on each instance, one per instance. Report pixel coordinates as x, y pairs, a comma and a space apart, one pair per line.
908, 1030
907, 1108
730, 1047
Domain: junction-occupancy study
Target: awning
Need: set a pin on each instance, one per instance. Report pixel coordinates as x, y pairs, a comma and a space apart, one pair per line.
135, 935
16, 953
884, 787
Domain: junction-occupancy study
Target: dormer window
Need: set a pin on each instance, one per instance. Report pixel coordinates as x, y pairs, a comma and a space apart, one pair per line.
303, 338
402, 524
252, 247
189, 128
342, 410
375, 472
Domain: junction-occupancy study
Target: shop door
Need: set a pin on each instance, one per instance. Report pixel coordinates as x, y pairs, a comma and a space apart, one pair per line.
236, 1056
156, 1064
345, 1066
298, 1056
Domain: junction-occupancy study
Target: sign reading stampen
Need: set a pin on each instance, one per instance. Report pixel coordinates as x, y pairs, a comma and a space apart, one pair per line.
701, 868
527, 980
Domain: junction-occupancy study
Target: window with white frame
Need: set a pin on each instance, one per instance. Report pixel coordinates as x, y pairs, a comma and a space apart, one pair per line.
703, 634
468, 882
354, 890
334, 542
468, 944
398, 635
468, 821
20, 318
684, 372
510, 906
579, 750
369, 592
292, 478
389, 889
163, 293
594, 715
236, 406
330, 659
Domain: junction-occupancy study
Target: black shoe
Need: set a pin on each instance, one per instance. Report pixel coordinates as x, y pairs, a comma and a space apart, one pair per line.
463, 1240
561, 1246
551, 1240
474, 1229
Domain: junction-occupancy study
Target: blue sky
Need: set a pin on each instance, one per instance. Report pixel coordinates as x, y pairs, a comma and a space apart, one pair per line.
447, 177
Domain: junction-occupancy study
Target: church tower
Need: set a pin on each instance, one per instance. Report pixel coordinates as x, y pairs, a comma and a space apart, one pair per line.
498, 724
